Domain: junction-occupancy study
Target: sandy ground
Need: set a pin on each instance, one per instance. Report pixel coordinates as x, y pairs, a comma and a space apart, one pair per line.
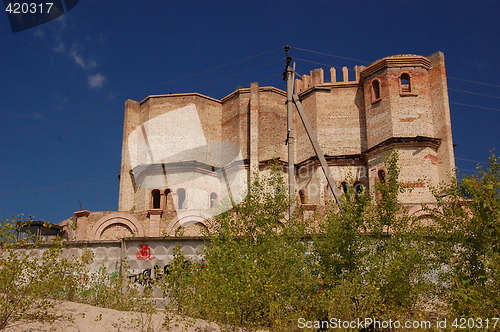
94, 319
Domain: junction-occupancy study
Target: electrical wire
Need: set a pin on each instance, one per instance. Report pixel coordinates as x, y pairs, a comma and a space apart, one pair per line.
364, 61
234, 75
54, 123
328, 54
87, 115
317, 63
476, 82
24, 129
207, 70
148, 87
466, 169
474, 93
471, 160
475, 106
61, 186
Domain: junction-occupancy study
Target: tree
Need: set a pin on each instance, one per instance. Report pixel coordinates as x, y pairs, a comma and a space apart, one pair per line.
468, 223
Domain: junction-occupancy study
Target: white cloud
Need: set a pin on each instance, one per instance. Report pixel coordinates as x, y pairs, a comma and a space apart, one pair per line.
79, 60
60, 48
97, 80
62, 22
39, 33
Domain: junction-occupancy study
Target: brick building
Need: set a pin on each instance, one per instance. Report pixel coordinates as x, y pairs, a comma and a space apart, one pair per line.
183, 154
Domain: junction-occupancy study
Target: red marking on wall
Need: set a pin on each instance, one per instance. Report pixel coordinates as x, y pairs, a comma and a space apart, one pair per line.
144, 253
413, 184
410, 118
434, 160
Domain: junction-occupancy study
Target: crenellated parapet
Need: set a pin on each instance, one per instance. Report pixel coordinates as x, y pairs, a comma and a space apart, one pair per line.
316, 77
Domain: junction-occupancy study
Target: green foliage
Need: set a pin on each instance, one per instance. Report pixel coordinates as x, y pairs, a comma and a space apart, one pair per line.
468, 222
374, 257
257, 271
265, 269
33, 278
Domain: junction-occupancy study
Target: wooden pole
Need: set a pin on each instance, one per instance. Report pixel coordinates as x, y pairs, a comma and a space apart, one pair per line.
290, 138
319, 153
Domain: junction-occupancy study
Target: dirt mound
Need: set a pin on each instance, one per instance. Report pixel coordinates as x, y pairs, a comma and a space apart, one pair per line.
84, 317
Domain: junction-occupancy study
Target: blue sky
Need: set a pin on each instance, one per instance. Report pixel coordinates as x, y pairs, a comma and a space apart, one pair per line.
63, 84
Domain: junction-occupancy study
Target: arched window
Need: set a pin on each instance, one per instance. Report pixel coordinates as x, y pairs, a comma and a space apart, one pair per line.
359, 188
405, 83
381, 176
169, 203
155, 199
344, 187
375, 90
213, 200
181, 198
302, 196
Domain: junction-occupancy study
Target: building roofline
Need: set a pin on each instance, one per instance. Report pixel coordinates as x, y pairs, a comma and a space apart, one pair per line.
220, 101
189, 94
402, 60
247, 90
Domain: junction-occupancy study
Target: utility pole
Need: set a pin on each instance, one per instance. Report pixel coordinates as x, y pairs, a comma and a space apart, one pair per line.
290, 139
293, 98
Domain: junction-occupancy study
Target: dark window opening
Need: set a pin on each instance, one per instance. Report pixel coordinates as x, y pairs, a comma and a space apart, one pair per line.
344, 187
381, 176
376, 90
181, 198
156, 199
213, 199
359, 188
302, 196
405, 83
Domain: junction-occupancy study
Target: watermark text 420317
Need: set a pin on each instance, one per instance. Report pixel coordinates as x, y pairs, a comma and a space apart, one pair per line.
24, 15
361, 323
29, 7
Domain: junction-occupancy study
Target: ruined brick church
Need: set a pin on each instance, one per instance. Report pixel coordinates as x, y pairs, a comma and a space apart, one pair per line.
183, 154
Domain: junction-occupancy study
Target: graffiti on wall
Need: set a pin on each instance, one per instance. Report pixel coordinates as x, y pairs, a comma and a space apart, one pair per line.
148, 277
144, 253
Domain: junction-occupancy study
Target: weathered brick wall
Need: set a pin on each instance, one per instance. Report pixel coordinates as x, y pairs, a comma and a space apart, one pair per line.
272, 124
340, 120
355, 130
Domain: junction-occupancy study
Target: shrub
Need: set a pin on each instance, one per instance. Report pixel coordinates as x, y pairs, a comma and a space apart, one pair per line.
468, 222
374, 258
257, 269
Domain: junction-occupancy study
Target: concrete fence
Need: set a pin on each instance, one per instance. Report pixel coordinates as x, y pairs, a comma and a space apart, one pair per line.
139, 259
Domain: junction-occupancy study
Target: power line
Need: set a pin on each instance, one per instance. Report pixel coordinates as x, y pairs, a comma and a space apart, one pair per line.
466, 169
128, 92
317, 63
322, 64
234, 75
471, 81
474, 93
150, 86
54, 123
331, 55
61, 186
208, 70
471, 160
475, 106
364, 61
